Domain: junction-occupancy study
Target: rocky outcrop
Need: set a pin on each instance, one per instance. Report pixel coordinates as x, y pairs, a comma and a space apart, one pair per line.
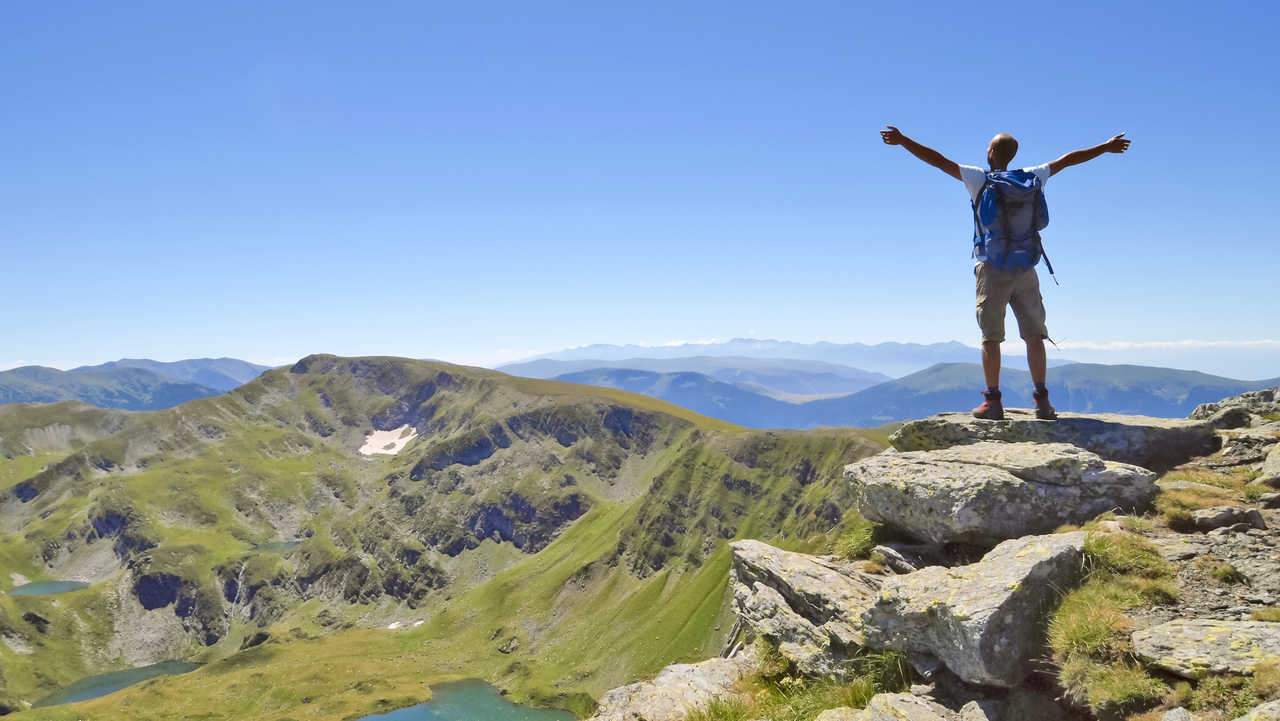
674, 692
1255, 403
1197, 647
985, 492
982, 620
1155, 443
807, 606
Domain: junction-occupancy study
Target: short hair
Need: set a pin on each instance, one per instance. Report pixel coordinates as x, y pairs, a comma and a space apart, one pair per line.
1003, 147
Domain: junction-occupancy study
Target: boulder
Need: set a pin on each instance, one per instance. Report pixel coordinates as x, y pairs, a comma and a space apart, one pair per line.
1269, 711
1271, 464
805, 605
892, 707
1177, 714
674, 692
1155, 443
986, 492
894, 560
1192, 648
983, 621
1207, 519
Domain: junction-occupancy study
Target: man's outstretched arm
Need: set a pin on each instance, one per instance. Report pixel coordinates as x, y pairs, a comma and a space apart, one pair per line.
893, 136
1118, 144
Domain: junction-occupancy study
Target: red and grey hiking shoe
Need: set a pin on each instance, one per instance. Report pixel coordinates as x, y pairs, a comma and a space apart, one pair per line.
1044, 411
991, 409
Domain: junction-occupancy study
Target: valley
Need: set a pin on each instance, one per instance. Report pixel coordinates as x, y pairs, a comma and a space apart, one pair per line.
524, 532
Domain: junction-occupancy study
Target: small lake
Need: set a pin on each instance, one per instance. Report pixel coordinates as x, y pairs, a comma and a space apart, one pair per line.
45, 588
105, 683
470, 700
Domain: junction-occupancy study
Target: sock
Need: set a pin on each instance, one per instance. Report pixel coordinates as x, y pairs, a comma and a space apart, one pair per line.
993, 390
1041, 390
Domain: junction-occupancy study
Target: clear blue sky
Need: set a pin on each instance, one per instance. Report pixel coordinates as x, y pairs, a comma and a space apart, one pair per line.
481, 181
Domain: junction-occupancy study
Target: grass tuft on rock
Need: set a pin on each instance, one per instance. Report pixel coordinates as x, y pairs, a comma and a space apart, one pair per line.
777, 693
858, 538
1270, 613
1089, 631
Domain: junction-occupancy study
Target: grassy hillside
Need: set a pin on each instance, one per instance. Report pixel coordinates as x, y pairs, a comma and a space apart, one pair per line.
533, 527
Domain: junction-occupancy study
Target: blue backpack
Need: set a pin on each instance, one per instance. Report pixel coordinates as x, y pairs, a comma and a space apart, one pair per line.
1007, 220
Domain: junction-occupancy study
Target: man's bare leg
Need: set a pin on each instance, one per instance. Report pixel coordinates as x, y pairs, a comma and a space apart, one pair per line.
1035, 360
991, 361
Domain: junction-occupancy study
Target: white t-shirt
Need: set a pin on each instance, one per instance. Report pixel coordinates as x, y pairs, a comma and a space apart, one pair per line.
974, 177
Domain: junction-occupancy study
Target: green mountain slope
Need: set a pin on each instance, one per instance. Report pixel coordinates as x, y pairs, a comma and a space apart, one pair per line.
533, 528
126, 388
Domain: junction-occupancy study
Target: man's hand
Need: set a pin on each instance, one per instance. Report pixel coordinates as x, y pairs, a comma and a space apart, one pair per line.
1118, 144
893, 136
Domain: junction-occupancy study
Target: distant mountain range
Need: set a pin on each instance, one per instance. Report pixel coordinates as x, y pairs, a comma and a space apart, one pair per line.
1080, 387
891, 359
786, 379
221, 374
129, 384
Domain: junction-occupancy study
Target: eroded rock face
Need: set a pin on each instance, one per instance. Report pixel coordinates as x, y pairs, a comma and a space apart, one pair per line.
1155, 443
808, 607
1192, 648
892, 707
982, 620
674, 692
985, 492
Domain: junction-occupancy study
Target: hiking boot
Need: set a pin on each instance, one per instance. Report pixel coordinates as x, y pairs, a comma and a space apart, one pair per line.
1044, 411
991, 409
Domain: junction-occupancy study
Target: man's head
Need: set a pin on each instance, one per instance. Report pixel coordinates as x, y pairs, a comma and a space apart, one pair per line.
1001, 151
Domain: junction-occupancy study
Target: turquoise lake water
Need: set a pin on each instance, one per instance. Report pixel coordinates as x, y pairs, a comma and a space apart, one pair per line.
105, 683
470, 700
44, 588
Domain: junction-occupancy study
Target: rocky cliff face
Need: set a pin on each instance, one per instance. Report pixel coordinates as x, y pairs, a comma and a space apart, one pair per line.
977, 503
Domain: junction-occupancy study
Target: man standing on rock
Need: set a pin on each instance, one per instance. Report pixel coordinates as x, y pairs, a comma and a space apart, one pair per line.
1008, 214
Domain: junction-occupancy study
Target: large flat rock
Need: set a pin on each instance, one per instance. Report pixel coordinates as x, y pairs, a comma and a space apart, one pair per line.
674, 692
892, 707
986, 492
1193, 648
807, 606
1155, 443
983, 621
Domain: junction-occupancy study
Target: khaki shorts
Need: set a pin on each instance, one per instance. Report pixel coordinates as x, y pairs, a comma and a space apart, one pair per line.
1019, 288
